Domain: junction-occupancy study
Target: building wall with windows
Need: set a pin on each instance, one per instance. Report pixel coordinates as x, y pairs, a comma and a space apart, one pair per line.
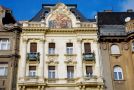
9, 47
59, 51
116, 49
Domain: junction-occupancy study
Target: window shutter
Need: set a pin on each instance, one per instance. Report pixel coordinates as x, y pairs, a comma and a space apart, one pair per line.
89, 69
70, 68
32, 67
51, 67
33, 47
69, 44
87, 47
51, 45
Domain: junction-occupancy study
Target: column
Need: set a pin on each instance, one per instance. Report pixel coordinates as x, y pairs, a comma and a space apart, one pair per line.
41, 62
96, 48
79, 59
22, 63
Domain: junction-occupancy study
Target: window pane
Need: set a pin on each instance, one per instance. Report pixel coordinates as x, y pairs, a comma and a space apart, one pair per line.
115, 76
4, 44
120, 75
51, 51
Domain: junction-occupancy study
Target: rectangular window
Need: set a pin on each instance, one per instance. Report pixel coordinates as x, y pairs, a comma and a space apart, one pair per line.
70, 71
89, 71
87, 47
33, 47
51, 72
69, 48
32, 71
51, 49
4, 44
3, 68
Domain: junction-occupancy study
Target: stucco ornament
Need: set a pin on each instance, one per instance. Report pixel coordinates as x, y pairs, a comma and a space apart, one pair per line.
60, 17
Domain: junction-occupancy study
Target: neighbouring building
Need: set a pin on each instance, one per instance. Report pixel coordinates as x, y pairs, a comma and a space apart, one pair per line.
9, 47
116, 38
59, 51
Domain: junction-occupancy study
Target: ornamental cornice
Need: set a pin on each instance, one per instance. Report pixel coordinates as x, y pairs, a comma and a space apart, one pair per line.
65, 30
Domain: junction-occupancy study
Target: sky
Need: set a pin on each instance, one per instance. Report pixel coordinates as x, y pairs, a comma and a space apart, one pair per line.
26, 9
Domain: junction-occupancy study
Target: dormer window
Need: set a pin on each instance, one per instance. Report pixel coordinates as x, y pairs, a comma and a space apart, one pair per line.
115, 49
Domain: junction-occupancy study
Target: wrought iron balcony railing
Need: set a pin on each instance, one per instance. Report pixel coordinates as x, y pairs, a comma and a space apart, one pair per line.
88, 56
33, 56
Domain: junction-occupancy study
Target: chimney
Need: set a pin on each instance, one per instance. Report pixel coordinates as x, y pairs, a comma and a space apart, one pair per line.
129, 10
107, 10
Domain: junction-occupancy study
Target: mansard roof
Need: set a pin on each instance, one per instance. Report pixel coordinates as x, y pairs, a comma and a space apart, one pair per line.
112, 30
113, 18
46, 9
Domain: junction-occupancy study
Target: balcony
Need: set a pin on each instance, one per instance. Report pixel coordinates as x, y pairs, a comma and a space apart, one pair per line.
89, 56
33, 56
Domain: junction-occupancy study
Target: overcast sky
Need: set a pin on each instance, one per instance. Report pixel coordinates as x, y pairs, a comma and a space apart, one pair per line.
26, 9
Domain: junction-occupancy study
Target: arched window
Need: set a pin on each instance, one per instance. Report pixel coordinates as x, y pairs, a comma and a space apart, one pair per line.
115, 49
118, 73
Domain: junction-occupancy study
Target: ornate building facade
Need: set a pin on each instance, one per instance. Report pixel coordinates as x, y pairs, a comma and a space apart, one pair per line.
116, 44
9, 47
59, 51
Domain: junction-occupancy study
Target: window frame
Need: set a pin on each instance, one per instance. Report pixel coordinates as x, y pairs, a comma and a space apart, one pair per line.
115, 49
5, 69
33, 73
70, 74
51, 49
6, 43
51, 73
69, 49
118, 73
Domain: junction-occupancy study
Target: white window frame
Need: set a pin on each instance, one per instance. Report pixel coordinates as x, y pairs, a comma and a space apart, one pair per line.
32, 73
117, 72
69, 50
3, 72
6, 44
115, 49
